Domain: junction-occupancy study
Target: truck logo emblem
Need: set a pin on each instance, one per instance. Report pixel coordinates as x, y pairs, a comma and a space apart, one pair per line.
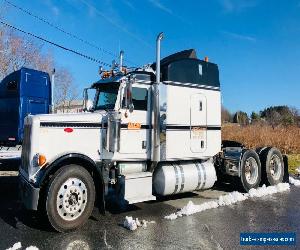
68, 130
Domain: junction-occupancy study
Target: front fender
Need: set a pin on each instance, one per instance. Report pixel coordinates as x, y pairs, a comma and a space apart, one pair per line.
96, 169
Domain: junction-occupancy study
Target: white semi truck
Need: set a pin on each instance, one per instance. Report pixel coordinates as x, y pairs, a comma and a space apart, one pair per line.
152, 131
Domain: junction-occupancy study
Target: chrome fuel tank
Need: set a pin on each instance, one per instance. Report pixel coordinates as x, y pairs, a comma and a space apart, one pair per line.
181, 177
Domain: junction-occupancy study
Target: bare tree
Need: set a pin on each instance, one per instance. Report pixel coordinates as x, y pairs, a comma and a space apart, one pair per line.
241, 118
296, 114
18, 51
65, 91
226, 115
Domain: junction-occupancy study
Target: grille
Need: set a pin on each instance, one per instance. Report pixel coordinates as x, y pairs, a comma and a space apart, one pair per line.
26, 148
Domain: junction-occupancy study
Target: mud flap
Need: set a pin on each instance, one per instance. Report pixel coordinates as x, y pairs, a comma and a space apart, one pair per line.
101, 185
101, 203
286, 168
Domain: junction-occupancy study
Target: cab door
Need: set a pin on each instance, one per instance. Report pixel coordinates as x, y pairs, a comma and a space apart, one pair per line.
135, 127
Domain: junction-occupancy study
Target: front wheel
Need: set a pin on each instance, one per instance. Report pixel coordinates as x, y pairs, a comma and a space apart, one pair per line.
70, 198
250, 170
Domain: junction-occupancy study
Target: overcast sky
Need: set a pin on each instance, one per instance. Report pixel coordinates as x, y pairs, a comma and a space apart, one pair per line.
256, 43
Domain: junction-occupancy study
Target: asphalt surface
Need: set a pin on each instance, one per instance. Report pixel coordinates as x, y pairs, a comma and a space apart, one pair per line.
212, 229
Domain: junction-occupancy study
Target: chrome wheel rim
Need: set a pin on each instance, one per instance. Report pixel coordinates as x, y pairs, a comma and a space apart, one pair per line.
71, 199
275, 167
251, 170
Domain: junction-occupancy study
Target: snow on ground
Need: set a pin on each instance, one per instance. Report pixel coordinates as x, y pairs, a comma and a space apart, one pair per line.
15, 246
223, 200
133, 224
130, 223
228, 199
32, 248
18, 245
263, 191
294, 181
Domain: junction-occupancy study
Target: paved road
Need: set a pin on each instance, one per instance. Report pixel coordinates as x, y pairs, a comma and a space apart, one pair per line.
211, 229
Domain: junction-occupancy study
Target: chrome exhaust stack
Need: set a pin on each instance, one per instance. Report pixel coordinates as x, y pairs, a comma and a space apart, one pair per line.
156, 110
158, 39
121, 60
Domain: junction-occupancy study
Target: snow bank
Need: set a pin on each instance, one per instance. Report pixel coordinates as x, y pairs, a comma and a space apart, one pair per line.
263, 191
228, 199
18, 245
294, 181
15, 246
133, 224
32, 248
231, 198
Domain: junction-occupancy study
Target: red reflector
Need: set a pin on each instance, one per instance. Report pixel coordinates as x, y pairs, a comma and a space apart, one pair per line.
68, 130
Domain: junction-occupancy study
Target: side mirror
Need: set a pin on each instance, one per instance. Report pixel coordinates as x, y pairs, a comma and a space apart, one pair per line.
128, 93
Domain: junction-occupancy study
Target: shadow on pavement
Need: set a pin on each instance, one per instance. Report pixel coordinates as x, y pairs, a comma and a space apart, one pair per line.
11, 209
114, 206
227, 187
174, 197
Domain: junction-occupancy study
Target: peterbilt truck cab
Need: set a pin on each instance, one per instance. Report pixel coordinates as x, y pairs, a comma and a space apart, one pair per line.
153, 131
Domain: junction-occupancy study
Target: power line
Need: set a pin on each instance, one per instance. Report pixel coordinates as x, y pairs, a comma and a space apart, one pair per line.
56, 44
63, 30
114, 23
58, 28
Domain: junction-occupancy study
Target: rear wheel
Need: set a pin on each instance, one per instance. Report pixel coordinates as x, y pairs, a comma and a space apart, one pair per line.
272, 162
250, 170
70, 198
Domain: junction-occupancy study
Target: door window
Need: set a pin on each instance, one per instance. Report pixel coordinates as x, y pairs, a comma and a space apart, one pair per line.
139, 98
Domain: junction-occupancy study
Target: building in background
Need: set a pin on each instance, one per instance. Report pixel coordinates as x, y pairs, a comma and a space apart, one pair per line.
75, 106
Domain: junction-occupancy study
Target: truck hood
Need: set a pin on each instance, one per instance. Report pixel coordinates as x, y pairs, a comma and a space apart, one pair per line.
72, 117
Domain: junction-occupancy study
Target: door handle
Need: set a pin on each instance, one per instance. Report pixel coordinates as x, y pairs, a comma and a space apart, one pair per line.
144, 145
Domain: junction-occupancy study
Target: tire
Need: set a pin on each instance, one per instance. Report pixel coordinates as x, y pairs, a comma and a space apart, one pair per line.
70, 198
250, 170
273, 166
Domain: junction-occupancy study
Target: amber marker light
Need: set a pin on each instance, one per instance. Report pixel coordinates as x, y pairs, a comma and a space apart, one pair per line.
42, 160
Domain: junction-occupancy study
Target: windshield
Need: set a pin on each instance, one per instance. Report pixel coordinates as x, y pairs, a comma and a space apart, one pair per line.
106, 97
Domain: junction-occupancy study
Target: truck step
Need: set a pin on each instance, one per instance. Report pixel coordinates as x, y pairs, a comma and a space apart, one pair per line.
140, 199
136, 187
138, 175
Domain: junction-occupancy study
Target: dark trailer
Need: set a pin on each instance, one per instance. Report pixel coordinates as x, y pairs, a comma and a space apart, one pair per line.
23, 92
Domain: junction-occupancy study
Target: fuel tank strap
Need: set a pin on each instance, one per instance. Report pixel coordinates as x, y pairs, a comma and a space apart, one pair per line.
182, 178
177, 178
199, 175
204, 180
